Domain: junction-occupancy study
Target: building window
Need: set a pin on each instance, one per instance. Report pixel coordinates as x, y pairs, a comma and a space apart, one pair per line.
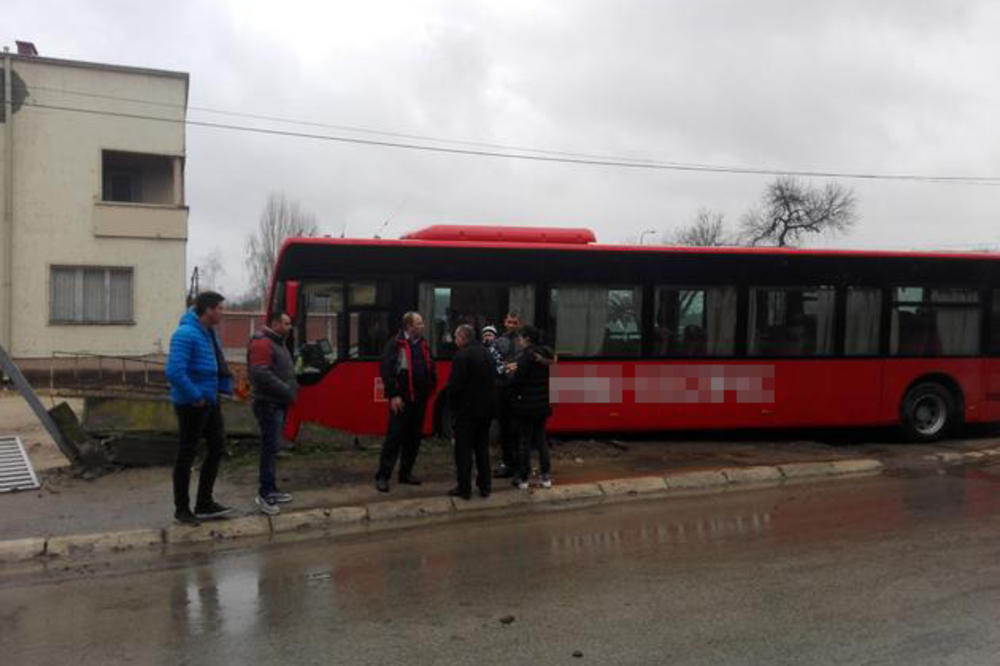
139, 178
796, 321
935, 322
695, 322
596, 321
864, 318
88, 295
448, 305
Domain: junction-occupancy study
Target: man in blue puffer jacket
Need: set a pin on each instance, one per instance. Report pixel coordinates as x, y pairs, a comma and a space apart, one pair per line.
198, 374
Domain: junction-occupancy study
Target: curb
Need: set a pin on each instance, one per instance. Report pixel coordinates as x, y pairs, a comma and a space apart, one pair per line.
390, 514
957, 458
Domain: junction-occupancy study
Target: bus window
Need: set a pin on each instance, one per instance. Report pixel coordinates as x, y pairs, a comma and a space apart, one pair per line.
695, 322
796, 321
324, 303
368, 306
935, 322
446, 306
863, 320
369, 331
596, 321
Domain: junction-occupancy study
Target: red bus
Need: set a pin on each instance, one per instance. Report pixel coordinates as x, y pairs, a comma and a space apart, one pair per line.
653, 338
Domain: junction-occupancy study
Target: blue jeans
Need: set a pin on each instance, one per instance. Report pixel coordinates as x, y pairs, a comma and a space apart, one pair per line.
271, 419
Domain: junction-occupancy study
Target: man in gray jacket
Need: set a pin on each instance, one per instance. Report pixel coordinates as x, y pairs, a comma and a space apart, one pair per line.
272, 379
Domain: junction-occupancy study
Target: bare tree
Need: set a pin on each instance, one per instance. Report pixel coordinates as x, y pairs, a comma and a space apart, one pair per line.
707, 230
281, 219
210, 269
791, 210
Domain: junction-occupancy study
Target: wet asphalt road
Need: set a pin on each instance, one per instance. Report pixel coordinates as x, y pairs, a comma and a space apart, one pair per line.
877, 570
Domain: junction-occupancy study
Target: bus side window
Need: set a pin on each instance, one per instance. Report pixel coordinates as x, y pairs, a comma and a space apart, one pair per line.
595, 321
863, 321
791, 321
935, 322
694, 322
324, 305
368, 304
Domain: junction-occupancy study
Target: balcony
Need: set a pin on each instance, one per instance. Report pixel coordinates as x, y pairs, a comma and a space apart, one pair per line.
140, 220
142, 196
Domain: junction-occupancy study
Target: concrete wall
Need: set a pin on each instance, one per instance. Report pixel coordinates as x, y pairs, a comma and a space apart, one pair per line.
57, 190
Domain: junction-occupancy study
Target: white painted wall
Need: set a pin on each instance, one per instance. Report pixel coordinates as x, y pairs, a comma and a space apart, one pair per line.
57, 183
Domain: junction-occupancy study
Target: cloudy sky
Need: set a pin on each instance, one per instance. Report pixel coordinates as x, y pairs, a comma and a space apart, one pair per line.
888, 87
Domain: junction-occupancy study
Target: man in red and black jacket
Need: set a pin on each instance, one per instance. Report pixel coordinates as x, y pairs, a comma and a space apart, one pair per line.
410, 377
272, 379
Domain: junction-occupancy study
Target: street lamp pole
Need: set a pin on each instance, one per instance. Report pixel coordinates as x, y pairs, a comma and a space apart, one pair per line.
643, 234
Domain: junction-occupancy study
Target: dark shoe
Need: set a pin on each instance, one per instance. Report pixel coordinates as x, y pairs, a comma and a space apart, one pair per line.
484, 493
185, 517
382, 485
410, 480
503, 472
455, 492
212, 510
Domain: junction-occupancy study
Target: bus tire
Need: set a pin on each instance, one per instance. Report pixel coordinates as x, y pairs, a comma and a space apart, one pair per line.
927, 412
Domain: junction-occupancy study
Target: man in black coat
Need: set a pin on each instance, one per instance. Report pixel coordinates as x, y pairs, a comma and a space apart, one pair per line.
409, 377
529, 387
472, 398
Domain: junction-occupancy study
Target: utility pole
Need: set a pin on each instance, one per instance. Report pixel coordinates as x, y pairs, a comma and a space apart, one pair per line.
7, 230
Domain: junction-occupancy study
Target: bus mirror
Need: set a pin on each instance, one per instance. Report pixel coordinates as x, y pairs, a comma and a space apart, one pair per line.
292, 298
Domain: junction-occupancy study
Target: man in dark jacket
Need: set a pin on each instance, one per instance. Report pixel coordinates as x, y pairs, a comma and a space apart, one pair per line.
529, 386
409, 377
506, 345
471, 395
198, 374
272, 380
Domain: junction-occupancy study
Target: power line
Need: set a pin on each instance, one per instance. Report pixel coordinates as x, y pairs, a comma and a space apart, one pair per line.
360, 130
704, 168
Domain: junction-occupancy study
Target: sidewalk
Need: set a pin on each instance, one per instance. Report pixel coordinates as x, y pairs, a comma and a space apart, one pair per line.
339, 475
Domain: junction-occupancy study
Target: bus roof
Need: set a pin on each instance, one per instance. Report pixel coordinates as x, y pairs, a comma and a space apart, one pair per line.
583, 240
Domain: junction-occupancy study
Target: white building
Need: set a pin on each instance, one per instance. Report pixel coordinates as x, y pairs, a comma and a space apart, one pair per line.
94, 223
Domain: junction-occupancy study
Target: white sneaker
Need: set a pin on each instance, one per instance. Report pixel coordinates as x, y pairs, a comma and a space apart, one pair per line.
546, 481
522, 485
266, 506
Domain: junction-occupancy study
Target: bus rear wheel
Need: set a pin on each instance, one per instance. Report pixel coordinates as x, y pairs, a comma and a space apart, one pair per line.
927, 412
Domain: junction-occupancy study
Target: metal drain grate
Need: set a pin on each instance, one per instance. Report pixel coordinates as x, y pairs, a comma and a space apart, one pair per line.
16, 472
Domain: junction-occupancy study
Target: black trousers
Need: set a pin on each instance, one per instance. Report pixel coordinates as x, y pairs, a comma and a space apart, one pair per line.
472, 438
402, 440
193, 424
531, 432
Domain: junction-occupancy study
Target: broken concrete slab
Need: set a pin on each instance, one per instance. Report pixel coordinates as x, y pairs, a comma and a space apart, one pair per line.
299, 521
577, 491
695, 480
108, 542
21, 550
639, 485
803, 470
494, 501
246, 526
858, 466
756, 474
409, 508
